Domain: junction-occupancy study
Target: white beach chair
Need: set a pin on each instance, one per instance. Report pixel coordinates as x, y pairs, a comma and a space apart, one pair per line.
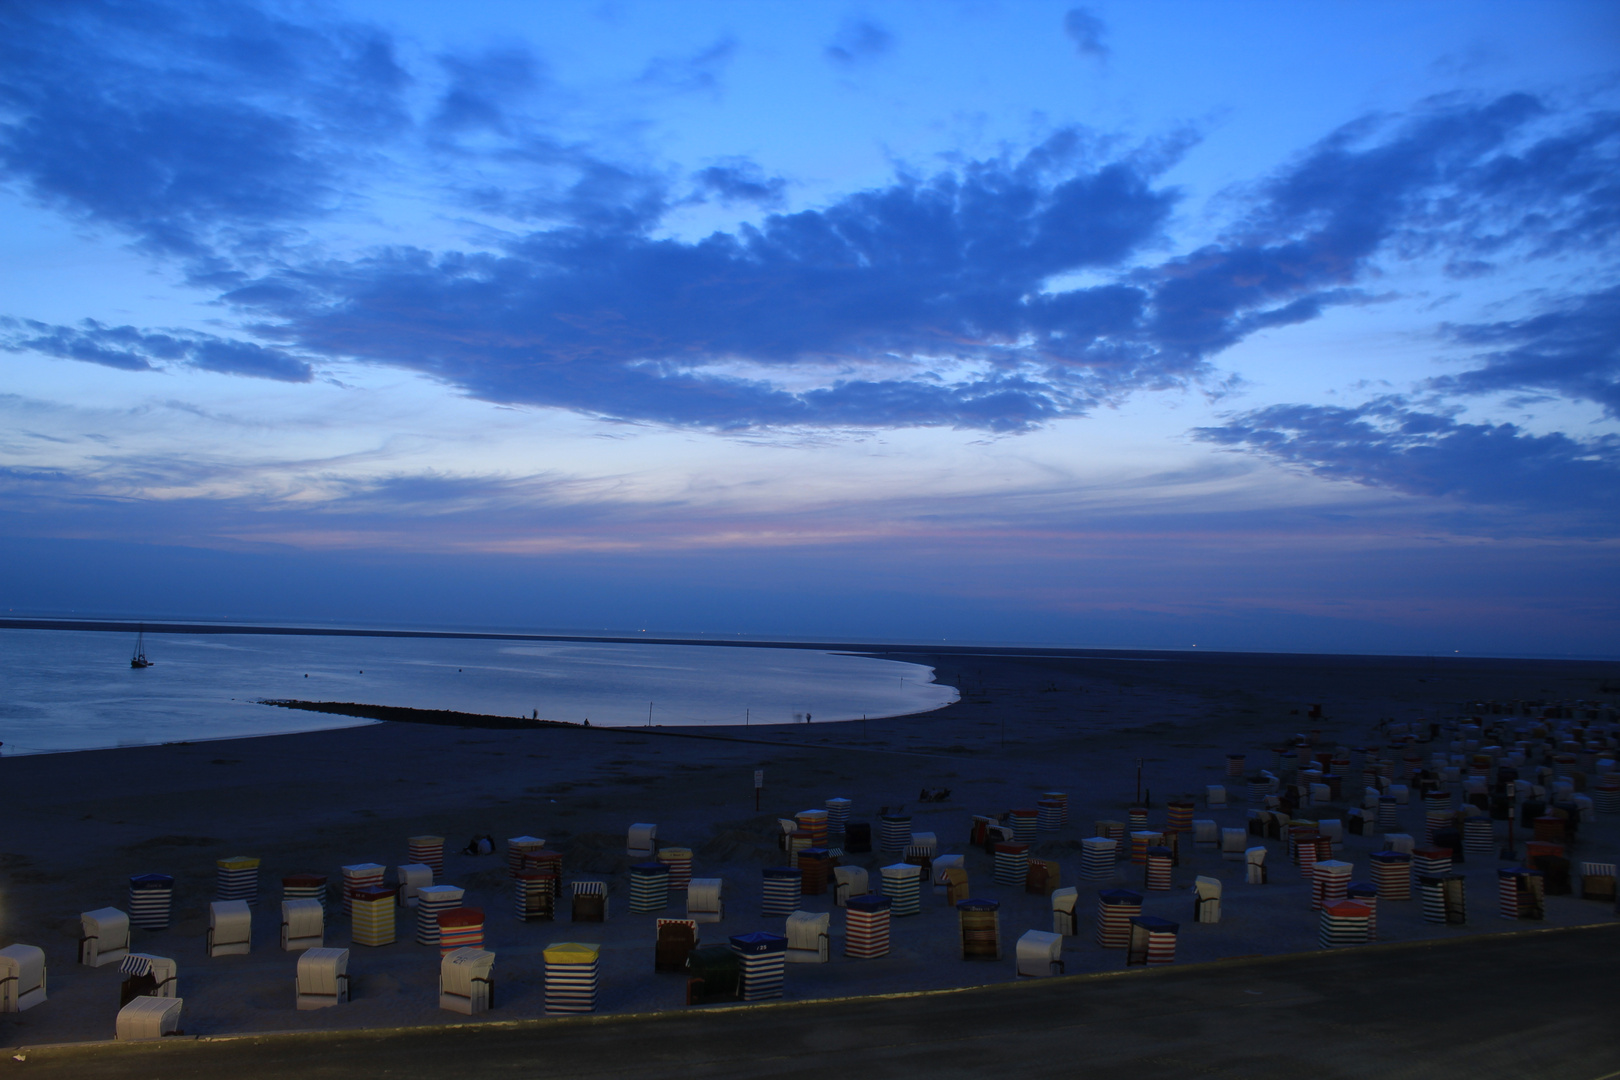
1401, 793
411, 877
1399, 841
303, 925
928, 841
162, 972
1206, 833
467, 981
848, 881
1370, 797
1255, 858
149, 1018
230, 928
786, 827
703, 901
1064, 919
1233, 844
323, 978
1321, 794
1333, 829
1207, 902
943, 863
22, 977
808, 940
642, 843
1040, 954
105, 937
1215, 796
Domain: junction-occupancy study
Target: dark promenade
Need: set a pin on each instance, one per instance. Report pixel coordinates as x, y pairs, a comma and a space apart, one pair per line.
1531, 1004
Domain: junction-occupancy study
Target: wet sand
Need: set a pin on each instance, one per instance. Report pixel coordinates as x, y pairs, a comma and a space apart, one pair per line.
79, 824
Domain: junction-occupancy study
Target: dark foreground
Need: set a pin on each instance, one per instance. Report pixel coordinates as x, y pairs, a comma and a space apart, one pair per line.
1526, 1004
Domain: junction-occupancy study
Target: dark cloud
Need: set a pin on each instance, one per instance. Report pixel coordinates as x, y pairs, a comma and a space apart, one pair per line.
1572, 350
483, 89
858, 40
1388, 444
699, 71
741, 181
174, 121
1087, 32
130, 349
948, 268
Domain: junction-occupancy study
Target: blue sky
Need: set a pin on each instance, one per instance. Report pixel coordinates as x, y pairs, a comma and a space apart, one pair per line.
1240, 325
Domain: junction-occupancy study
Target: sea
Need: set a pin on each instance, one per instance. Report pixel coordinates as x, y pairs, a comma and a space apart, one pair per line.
75, 690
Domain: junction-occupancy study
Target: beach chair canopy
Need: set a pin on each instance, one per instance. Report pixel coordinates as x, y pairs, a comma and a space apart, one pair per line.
22, 977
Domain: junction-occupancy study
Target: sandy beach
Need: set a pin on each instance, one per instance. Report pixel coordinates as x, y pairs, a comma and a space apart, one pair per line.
79, 824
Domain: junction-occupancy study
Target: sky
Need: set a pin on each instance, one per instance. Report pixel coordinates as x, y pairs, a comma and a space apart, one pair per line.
1258, 326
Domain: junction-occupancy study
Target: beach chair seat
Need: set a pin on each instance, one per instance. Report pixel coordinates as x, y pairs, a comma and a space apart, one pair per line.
1040, 954
642, 842
1064, 919
411, 877
937, 875
704, 903
590, 901
22, 977
809, 939
323, 978
676, 940
149, 1018
303, 925
467, 981
1255, 858
1597, 881
230, 928
715, 974
849, 881
1206, 899
104, 938
146, 975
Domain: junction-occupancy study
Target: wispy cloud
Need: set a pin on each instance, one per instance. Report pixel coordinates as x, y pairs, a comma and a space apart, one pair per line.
858, 41
130, 349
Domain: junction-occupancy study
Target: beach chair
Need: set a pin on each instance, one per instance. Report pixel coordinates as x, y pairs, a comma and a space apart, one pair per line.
1597, 881
104, 938
22, 977
1215, 796
716, 975
926, 841
1064, 920
642, 842
1333, 829
1255, 858
1401, 842
1206, 834
467, 981
1040, 954
149, 1018
1207, 899
303, 925
411, 877
590, 901
946, 862
956, 885
703, 901
1233, 844
230, 928
786, 827
676, 940
323, 978
809, 939
857, 837
146, 975
849, 881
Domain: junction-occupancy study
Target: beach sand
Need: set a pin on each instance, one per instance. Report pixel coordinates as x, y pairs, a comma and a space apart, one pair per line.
78, 824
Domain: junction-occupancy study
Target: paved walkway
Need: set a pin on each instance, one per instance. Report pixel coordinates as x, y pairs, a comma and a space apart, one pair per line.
1543, 1004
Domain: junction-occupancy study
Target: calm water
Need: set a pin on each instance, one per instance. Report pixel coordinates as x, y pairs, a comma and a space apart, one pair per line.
73, 690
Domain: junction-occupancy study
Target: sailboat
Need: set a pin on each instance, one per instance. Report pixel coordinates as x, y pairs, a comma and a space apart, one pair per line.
139, 660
